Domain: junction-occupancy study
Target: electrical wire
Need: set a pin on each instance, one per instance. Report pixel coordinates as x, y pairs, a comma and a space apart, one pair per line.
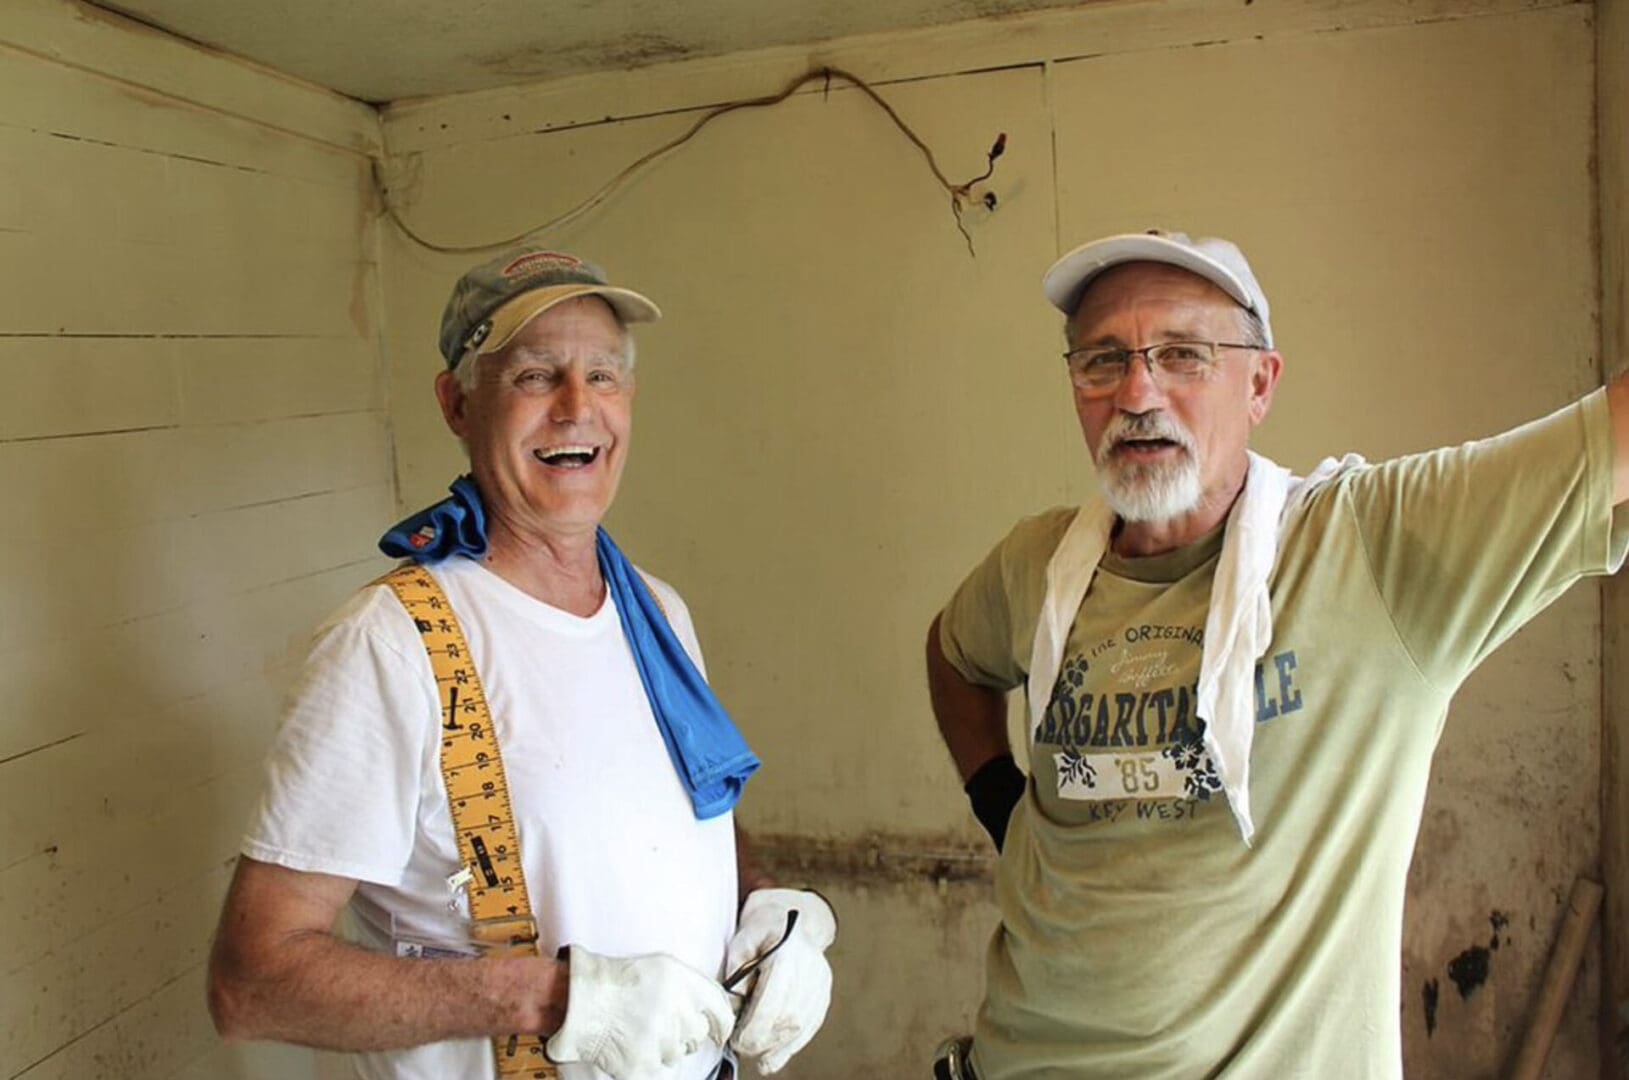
957, 192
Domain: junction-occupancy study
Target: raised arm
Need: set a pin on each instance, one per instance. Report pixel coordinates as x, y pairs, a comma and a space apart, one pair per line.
1617, 403
278, 972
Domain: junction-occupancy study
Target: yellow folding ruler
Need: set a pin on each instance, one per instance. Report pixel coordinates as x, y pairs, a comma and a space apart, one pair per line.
478, 792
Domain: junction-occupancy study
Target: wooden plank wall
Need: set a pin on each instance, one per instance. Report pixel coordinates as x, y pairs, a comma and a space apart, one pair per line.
196, 456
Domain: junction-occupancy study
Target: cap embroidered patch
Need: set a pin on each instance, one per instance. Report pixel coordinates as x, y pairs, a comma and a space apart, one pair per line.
538, 261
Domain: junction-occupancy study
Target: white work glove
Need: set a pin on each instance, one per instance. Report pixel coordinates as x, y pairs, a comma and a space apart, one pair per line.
791, 988
634, 1016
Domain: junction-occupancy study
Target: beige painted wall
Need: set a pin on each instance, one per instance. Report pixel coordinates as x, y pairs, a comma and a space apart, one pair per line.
843, 410
195, 447
841, 413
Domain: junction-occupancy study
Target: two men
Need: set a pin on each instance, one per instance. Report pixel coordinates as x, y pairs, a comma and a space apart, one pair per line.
505, 759
1235, 681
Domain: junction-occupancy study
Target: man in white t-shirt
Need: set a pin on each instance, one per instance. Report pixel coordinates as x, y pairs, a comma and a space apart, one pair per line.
621, 768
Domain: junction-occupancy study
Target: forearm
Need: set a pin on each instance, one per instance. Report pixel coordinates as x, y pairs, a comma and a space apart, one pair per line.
1617, 403
972, 719
316, 990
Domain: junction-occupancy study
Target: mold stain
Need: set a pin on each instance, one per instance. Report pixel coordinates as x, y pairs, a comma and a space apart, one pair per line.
624, 51
943, 861
1469, 970
1499, 921
1428, 993
640, 50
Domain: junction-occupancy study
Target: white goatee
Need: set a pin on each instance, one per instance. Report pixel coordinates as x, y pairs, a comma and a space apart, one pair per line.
1148, 491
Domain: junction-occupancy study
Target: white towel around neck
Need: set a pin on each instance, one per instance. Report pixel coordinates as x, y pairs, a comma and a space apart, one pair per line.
1238, 626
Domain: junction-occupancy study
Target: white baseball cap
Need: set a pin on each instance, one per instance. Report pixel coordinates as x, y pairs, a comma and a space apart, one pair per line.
1217, 261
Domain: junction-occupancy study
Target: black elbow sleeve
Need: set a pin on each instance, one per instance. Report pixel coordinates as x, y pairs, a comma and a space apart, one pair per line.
994, 791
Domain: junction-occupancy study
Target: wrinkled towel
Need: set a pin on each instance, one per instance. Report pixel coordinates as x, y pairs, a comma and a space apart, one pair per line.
1238, 626
712, 759
709, 755
453, 526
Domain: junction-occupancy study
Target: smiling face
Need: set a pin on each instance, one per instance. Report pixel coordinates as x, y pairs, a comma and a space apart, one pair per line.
547, 422
1168, 449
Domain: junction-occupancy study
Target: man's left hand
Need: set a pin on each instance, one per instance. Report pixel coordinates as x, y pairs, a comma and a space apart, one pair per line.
791, 987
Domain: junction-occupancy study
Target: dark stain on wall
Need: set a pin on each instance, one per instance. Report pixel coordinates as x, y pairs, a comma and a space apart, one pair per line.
632, 50
640, 49
876, 858
1469, 970
1500, 922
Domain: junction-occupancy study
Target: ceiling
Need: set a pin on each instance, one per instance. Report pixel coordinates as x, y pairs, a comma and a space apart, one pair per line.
384, 50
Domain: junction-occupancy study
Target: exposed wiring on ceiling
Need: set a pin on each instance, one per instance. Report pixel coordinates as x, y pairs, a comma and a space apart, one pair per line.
957, 192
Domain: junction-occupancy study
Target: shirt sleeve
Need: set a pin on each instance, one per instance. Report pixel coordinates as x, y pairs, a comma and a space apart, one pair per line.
347, 768
988, 627
1467, 543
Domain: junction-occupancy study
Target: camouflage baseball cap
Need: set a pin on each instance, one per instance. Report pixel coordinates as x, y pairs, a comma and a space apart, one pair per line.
493, 301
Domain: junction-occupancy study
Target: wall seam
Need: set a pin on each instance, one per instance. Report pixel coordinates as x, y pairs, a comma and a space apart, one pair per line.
194, 103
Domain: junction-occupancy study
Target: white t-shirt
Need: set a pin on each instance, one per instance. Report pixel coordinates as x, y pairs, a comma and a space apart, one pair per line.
615, 859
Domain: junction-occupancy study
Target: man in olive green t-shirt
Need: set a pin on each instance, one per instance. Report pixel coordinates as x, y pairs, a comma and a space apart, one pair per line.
1141, 935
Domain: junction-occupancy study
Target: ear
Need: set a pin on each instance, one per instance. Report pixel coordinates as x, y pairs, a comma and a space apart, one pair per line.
450, 393
1263, 380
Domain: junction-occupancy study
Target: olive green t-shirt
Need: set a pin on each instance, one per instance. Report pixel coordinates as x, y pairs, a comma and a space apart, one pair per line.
1140, 939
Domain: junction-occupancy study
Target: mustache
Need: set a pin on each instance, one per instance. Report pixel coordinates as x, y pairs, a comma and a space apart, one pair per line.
1154, 424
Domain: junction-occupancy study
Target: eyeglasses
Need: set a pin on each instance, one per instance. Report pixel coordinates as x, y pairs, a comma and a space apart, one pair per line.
1099, 369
